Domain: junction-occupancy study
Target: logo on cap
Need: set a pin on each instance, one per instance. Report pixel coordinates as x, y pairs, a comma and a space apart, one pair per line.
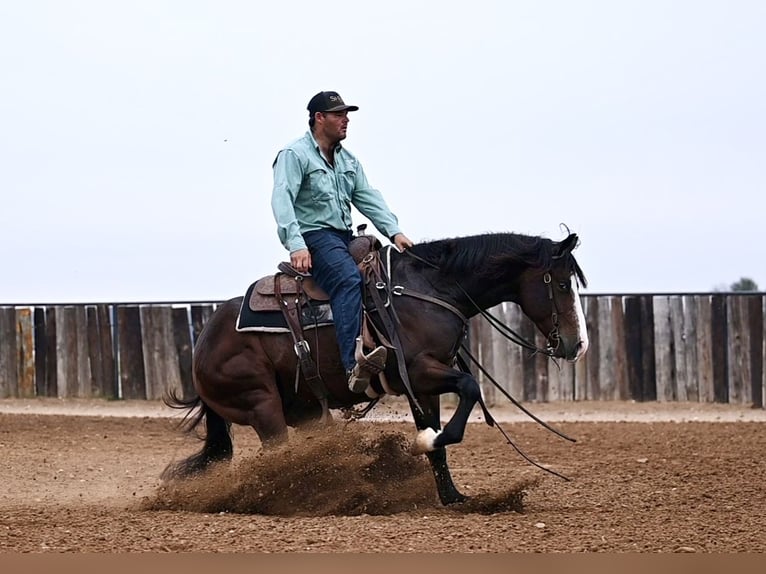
329, 102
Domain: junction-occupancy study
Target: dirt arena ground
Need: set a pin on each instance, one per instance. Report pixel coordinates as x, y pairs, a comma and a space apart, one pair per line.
83, 476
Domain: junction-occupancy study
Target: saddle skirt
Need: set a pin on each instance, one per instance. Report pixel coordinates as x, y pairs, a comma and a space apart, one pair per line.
264, 296
261, 309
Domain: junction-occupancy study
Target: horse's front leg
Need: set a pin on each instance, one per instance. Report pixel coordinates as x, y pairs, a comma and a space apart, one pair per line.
431, 380
438, 379
429, 419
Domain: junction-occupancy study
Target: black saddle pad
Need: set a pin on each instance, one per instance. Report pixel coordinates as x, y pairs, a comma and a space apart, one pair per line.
313, 314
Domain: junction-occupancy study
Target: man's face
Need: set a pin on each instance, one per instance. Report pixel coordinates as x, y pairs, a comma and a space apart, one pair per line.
335, 125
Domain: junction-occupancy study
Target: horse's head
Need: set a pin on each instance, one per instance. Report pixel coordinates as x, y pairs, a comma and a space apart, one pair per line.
549, 297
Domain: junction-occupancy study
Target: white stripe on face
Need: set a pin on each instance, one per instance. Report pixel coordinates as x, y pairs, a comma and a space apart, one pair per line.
582, 330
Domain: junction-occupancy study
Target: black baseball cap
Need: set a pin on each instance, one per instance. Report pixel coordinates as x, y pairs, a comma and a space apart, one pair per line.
328, 102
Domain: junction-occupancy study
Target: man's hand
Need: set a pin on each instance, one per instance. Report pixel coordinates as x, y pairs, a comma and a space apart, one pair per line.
402, 242
301, 260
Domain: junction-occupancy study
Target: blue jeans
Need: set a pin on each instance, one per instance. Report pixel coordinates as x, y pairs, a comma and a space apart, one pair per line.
335, 271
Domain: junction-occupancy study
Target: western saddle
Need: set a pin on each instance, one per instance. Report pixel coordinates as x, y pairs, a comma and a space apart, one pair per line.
288, 290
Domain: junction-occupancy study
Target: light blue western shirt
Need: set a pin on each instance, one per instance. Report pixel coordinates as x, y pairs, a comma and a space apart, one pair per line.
310, 194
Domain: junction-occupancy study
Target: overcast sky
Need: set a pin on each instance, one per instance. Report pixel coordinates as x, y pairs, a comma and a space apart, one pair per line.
137, 137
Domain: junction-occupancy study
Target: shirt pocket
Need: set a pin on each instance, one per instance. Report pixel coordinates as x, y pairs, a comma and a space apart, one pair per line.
319, 184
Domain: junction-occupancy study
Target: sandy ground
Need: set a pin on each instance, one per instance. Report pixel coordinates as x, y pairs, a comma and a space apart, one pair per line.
83, 476
395, 409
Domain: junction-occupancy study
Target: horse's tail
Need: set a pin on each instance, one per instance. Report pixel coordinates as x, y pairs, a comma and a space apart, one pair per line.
217, 437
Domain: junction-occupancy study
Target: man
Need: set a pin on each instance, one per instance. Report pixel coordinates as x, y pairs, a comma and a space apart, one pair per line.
316, 180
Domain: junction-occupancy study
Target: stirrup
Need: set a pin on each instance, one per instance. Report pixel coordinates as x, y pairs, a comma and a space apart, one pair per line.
366, 366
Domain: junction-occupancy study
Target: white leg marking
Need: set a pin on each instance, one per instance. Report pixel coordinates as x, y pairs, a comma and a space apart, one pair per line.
424, 442
582, 330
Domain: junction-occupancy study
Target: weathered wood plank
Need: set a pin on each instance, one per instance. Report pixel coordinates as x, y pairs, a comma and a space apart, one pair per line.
41, 353
152, 348
720, 338
648, 358
515, 354
9, 383
763, 354
704, 346
690, 346
678, 333
738, 355
613, 383
97, 375
566, 378
160, 355
183, 343
639, 348
84, 376
66, 351
528, 361
51, 359
664, 355
110, 385
633, 348
620, 355
26, 361
497, 366
130, 353
755, 316
590, 389
504, 353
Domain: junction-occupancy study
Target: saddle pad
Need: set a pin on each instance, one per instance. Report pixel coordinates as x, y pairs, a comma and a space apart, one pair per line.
271, 320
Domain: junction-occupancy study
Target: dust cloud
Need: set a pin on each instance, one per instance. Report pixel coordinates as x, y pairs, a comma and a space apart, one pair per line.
327, 473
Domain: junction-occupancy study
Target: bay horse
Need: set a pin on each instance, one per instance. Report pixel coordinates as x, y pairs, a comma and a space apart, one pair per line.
434, 288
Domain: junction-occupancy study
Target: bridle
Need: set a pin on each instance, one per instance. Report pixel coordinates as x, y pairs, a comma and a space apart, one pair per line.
555, 335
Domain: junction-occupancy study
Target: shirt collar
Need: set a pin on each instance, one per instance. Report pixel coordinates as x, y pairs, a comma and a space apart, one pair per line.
310, 134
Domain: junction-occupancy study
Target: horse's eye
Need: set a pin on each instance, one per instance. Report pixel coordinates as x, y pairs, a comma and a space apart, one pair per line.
564, 285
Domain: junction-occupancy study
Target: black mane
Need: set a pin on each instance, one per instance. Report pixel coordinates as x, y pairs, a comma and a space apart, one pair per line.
489, 255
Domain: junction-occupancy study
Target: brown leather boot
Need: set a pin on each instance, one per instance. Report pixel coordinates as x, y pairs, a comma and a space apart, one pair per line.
366, 366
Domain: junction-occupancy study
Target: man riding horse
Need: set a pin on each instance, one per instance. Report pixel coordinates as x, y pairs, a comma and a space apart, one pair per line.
316, 180
420, 302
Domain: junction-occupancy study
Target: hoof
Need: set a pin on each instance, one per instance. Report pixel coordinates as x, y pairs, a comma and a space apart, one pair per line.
424, 442
455, 499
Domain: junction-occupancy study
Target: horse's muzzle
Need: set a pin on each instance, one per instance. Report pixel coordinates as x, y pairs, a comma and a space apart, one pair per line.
572, 351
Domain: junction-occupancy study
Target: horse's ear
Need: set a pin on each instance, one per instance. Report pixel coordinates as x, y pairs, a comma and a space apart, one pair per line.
565, 247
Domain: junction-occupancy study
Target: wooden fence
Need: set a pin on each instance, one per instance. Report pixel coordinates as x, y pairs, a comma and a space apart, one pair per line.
700, 347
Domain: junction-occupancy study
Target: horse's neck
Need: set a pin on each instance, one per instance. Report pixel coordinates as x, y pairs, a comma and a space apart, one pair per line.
462, 290
486, 294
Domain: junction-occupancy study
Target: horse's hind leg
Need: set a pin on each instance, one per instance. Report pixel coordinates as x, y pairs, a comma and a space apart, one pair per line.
268, 419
